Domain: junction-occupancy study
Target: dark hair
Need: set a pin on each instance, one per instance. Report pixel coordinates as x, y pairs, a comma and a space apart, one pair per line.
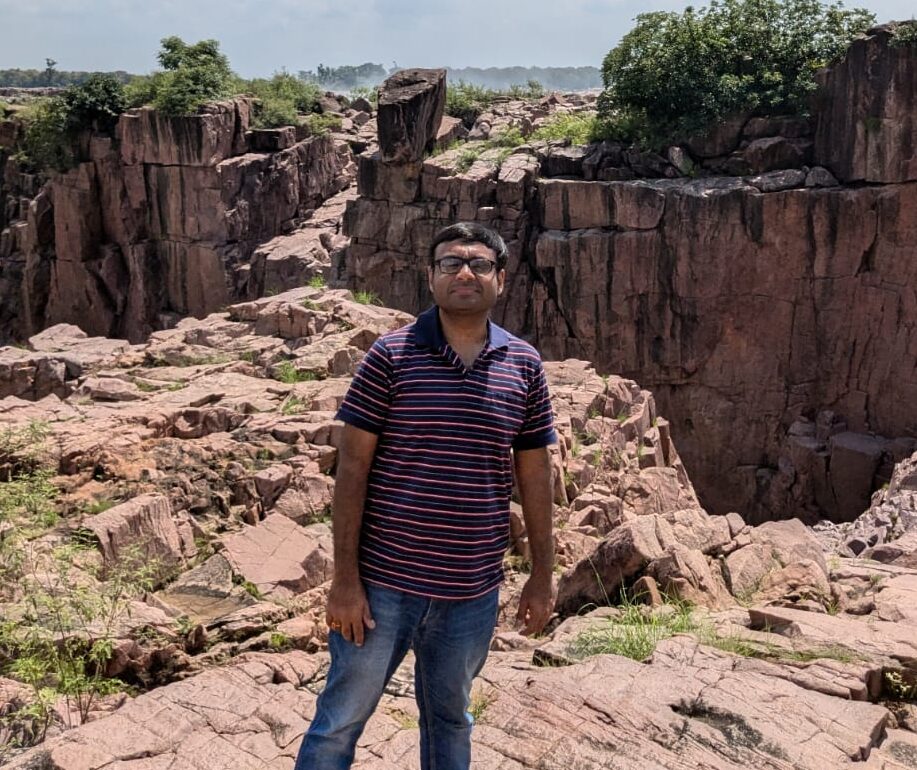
472, 232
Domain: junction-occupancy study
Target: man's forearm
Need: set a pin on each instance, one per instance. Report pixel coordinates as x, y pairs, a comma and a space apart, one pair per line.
349, 496
354, 461
533, 468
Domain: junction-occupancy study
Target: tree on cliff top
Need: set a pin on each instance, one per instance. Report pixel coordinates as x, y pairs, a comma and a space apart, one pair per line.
193, 75
674, 74
53, 125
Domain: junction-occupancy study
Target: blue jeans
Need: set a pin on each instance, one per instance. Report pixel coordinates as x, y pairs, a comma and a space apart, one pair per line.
450, 640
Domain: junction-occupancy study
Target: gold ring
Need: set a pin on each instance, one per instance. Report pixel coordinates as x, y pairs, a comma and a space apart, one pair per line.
335, 625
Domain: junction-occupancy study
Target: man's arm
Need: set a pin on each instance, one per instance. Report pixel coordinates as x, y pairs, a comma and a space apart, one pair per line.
533, 476
347, 602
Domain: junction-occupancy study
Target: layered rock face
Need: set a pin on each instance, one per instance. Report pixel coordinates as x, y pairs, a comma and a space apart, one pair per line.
772, 315
159, 222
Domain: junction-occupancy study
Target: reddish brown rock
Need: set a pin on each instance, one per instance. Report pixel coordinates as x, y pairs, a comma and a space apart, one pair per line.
866, 118
410, 109
280, 557
145, 523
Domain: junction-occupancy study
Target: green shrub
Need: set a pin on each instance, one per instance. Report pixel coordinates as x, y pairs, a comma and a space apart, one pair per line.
905, 34
674, 74
142, 89
635, 632
194, 75
531, 90
322, 124
282, 97
367, 298
62, 633
52, 125
576, 127
96, 103
467, 101
287, 372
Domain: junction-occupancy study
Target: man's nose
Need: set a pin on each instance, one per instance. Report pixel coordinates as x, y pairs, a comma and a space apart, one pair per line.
465, 271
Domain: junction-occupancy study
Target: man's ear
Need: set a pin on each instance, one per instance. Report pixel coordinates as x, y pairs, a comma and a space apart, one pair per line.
430, 278
501, 281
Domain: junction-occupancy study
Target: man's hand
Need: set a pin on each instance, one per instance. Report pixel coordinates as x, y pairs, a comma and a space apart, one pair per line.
348, 610
535, 605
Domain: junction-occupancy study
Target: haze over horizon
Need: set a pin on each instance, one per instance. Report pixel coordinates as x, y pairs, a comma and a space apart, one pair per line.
299, 34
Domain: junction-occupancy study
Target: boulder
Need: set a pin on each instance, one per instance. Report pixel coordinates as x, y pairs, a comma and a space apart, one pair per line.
410, 109
143, 527
279, 557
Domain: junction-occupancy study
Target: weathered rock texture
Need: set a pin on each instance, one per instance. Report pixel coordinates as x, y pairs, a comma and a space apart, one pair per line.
212, 447
773, 316
157, 223
868, 130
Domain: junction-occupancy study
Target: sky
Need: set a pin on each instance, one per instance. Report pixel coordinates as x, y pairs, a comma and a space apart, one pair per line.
263, 37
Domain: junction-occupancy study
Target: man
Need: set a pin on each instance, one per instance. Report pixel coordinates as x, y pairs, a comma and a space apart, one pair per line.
421, 507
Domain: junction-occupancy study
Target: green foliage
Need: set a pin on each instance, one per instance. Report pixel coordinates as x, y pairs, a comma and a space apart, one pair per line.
575, 127
141, 90
480, 700
52, 125
287, 372
62, 634
365, 92
905, 34
367, 298
531, 90
467, 101
22, 449
32, 78
322, 124
294, 405
900, 688
279, 641
47, 143
674, 74
636, 631
96, 104
282, 97
317, 281
194, 75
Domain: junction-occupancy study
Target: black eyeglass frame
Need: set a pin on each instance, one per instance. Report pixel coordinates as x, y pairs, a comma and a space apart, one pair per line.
462, 261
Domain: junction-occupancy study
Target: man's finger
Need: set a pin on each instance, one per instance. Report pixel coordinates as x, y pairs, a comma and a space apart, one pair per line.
522, 612
358, 633
346, 630
367, 617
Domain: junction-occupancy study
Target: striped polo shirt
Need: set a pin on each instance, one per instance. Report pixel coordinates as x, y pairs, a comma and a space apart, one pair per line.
436, 516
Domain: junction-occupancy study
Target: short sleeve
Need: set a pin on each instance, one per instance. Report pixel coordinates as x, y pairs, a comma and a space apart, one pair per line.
538, 428
367, 401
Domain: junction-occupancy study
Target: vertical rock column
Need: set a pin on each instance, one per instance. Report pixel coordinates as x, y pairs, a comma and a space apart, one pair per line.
385, 256
406, 196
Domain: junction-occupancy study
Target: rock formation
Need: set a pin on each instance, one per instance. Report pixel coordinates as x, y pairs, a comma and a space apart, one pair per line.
159, 222
213, 444
771, 313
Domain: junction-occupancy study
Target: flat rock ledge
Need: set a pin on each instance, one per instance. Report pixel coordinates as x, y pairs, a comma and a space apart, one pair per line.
689, 706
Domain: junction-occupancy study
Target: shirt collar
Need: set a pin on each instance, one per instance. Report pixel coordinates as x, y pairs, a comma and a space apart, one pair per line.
428, 331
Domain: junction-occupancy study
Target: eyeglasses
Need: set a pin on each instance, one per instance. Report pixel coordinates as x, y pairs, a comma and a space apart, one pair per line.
477, 265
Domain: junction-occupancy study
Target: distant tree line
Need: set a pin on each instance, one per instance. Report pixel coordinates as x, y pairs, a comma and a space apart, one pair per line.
551, 78
348, 77
52, 77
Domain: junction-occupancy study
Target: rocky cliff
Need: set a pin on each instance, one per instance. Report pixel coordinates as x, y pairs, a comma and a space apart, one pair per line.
156, 223
772, 313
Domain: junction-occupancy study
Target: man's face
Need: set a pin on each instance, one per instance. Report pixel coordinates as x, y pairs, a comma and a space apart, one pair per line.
465, 292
